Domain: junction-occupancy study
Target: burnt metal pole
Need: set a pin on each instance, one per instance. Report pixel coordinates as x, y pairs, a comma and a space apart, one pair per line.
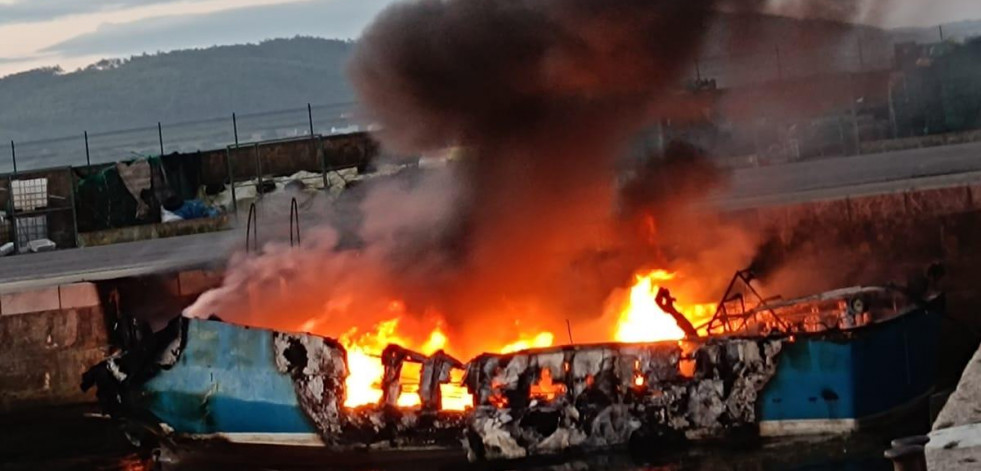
294, 217
160, 137
88, 157
568, 327
252, 229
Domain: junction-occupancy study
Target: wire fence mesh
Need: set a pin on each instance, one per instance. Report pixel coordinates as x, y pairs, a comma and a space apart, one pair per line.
184, 137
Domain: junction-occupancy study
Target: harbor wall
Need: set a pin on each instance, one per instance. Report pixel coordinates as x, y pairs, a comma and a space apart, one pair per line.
51, 336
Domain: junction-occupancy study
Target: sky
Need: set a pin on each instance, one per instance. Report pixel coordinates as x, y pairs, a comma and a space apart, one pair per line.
76, 33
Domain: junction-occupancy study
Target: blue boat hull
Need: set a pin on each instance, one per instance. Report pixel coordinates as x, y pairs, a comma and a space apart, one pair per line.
226, 383
843, 382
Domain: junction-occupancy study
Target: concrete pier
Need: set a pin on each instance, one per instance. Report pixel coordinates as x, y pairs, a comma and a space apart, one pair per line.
955, 442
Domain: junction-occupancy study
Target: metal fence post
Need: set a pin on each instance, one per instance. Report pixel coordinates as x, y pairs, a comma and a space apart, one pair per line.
10, 210
316, 153
310, 118
160, 136
13, 157
258, 172
88, 157
228, 159
231, 180
235, 128
71, 200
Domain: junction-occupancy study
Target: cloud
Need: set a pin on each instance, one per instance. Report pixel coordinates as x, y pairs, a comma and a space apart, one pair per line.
325, 18
24, 39
27, 11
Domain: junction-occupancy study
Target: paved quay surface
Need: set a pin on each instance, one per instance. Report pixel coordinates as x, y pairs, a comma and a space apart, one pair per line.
113, 261
752, 187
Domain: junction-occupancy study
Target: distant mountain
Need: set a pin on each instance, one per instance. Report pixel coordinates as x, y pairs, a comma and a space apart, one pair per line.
173, 87
279, 74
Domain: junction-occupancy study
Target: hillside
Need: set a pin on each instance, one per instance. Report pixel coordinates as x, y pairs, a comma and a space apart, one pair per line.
173, 87
278, 74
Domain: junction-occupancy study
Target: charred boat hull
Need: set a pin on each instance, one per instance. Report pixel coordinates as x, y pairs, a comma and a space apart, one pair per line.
208, 380
215, 380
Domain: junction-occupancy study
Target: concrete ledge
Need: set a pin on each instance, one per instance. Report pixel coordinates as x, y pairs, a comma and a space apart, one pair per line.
153, 231
72, 296
78, 295
30, 301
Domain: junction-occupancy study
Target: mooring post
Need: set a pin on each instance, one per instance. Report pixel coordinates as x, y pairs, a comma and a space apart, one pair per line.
907, 457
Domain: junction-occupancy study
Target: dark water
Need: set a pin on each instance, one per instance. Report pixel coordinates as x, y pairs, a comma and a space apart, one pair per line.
75, 438
855, 453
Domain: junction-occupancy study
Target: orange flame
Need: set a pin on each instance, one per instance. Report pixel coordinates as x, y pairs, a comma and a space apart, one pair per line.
642, 320
545, 389
632, 316
542, 340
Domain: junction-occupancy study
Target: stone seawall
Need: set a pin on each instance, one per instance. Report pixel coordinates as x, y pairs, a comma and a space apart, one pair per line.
49, 338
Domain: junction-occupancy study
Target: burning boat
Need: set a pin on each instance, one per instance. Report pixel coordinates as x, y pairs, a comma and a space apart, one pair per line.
831, 363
